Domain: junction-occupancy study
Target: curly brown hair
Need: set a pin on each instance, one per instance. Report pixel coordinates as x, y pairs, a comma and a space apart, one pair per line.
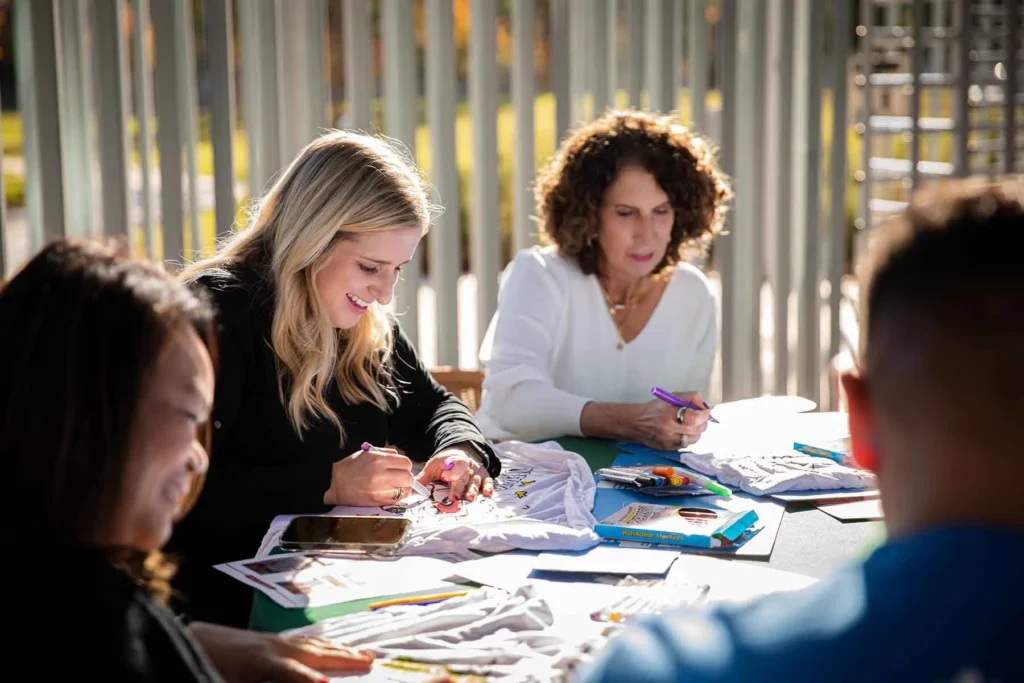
571, 186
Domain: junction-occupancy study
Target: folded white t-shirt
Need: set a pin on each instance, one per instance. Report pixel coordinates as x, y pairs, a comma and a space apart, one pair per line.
763, 475
506, 636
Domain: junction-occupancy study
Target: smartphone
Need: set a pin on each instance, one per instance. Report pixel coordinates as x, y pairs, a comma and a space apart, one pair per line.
350, 533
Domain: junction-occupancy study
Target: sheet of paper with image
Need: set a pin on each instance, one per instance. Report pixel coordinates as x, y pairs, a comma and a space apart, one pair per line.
752, 449
312, 580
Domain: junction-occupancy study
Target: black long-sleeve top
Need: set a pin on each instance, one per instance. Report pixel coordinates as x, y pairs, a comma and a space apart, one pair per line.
260, 467
76, 611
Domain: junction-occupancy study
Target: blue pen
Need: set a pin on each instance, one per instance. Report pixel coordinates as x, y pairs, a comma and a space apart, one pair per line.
674, 400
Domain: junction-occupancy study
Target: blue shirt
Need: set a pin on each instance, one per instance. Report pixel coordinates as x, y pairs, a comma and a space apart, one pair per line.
944, 605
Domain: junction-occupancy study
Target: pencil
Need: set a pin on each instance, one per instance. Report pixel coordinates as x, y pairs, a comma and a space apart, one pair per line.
416, 600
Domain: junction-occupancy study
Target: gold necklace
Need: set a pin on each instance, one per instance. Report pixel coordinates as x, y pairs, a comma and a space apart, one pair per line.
625, 307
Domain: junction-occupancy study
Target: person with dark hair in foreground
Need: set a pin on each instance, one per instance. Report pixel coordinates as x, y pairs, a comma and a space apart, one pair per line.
935, 410
106, 382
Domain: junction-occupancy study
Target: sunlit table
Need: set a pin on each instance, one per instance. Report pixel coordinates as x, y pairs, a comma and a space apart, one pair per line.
809, 542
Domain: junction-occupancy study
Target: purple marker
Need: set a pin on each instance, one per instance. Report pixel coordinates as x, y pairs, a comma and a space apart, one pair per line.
449, 464
674, 400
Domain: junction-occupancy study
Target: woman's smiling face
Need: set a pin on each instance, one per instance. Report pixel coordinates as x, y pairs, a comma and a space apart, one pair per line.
363, 270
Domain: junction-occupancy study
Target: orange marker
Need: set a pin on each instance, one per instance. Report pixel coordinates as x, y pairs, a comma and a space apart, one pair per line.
670, 474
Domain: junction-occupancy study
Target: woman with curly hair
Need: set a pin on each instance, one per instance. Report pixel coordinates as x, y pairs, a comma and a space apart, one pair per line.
609, 307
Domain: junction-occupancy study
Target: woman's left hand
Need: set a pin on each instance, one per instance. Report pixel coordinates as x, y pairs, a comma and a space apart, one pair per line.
251, 657
466, 474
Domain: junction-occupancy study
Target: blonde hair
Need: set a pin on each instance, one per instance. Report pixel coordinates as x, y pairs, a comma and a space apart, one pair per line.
340, 185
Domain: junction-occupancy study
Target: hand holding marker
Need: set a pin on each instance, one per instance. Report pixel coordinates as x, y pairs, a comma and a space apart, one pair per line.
673, 400
416, 486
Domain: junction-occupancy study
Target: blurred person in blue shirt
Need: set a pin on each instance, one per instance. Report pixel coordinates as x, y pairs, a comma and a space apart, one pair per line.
937, 410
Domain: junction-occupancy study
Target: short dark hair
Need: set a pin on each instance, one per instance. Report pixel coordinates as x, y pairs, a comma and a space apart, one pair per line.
82, 328
571, 187
945, 309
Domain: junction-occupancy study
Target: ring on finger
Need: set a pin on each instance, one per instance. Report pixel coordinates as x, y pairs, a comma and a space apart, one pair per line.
681, 415
399, 493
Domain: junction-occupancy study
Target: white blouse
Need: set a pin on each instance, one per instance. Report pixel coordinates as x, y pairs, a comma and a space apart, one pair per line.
552, 347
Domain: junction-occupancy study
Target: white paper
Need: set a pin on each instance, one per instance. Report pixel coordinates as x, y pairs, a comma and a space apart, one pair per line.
860, 510
310, 580
609, 559
768, 425
761, 407
813, 496
735, 581
730, 580
507, 571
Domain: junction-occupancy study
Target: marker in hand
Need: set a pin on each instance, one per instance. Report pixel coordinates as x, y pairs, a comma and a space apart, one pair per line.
419, 488
674, 400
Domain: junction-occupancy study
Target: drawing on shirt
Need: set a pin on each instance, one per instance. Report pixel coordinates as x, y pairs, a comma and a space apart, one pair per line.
446, 505
514, 477
441, 508
553, 489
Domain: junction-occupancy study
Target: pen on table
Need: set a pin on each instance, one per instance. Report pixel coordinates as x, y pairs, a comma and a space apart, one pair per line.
662, 476
416, 600
641, 477
417, 667
670, 474
416, 486
620, 477
634, 477
701, 480
673, 400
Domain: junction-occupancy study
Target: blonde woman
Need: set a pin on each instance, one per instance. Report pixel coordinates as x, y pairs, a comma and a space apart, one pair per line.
311, 367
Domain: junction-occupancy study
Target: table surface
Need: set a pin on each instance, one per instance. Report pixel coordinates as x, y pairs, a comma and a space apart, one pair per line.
809, 542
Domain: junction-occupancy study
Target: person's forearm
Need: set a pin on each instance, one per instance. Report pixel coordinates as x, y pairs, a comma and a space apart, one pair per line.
609, 420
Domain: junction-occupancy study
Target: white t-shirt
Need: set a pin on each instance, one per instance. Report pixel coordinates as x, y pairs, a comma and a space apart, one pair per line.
542, 501
507, 636
552, 347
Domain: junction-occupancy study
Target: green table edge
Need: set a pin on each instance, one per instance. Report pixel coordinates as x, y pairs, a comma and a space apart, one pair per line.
266, 615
